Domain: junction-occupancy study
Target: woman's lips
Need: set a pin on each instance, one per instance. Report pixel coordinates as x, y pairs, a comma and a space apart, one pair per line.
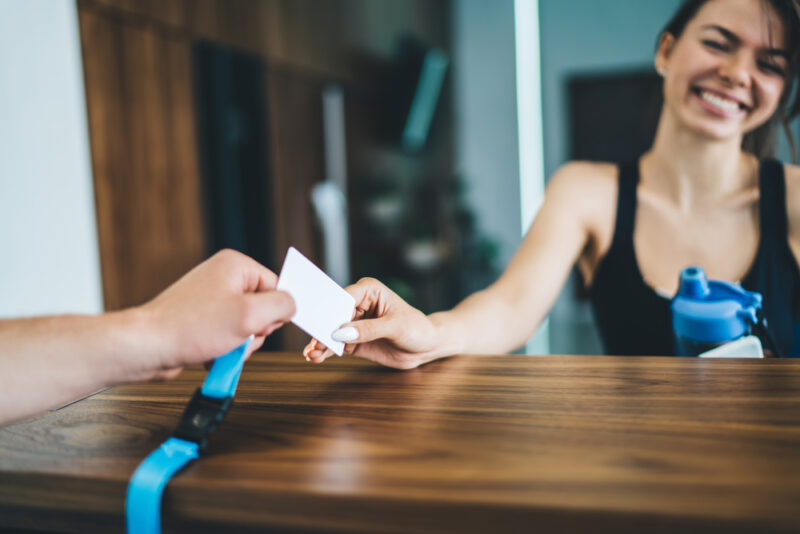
719, 104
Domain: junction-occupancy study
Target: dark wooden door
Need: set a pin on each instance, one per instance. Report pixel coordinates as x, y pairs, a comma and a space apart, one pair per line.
144, 156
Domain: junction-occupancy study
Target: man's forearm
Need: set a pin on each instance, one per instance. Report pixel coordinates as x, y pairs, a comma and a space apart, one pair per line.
48, 361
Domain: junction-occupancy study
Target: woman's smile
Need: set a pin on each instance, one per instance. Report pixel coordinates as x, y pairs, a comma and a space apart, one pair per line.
719, 103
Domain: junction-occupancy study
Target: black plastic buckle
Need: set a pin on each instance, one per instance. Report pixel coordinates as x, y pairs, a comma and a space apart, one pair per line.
201, 417
761, 329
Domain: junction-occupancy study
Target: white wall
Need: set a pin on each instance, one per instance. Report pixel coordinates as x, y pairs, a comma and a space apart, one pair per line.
48, 236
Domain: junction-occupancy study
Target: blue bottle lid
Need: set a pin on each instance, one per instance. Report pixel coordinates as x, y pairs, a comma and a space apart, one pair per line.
712, 311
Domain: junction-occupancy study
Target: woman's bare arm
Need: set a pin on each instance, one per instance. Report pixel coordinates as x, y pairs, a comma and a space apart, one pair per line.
500, 317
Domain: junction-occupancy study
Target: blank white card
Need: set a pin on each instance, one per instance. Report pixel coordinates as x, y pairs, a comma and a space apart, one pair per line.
321, 305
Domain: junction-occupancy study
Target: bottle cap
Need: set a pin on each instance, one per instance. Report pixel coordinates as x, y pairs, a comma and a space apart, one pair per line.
712, 311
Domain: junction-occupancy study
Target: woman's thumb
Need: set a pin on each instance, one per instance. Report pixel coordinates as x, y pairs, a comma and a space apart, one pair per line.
364, 331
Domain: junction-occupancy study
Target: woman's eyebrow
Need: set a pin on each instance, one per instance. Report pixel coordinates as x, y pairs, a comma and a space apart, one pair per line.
729, 35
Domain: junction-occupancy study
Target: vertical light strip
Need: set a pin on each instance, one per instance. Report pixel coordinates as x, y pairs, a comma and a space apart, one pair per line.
529, 109
529, 126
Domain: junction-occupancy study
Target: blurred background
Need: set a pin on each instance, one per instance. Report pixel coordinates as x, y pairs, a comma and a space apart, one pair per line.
409, 140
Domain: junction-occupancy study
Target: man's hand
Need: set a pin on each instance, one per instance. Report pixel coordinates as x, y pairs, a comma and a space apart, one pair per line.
212, 310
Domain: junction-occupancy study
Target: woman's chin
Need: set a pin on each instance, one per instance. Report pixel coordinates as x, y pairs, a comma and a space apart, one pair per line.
715, 130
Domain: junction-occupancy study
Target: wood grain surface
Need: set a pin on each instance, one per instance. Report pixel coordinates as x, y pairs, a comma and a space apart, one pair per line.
469, 444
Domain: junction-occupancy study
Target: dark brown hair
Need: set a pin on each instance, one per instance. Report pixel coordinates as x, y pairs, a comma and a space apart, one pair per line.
763, 140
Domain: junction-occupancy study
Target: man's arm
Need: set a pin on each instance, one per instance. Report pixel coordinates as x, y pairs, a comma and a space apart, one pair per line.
48, 361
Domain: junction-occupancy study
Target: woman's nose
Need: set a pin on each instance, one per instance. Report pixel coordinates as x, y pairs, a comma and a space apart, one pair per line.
735, 70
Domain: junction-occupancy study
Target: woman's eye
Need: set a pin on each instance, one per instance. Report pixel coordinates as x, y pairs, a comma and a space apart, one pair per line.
771, 67
716, 45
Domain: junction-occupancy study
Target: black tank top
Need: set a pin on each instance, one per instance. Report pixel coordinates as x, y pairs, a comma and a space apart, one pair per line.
635, 320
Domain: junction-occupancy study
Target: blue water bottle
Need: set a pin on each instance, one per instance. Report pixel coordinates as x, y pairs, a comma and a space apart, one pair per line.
709, 313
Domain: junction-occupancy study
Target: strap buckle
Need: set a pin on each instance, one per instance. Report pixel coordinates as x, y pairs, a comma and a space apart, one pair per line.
201, 417
761, 329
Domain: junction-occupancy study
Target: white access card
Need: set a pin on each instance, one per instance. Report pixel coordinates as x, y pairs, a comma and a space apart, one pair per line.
321, 306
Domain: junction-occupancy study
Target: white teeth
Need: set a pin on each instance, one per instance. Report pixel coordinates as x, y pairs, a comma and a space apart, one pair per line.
720, 103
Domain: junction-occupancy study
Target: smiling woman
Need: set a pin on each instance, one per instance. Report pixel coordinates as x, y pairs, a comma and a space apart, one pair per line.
772, 47
707, 193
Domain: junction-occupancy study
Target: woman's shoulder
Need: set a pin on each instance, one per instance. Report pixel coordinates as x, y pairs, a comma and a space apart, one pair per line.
580, 175
585, 191
584, 182
584, 169
792, 172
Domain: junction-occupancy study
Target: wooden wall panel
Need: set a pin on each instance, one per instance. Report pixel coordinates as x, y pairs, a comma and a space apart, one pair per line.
318, 37
109, 157
295, 129
295, 119
139, 86
139, 98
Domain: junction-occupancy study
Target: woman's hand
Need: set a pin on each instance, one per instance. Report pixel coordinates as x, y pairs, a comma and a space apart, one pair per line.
385, 329
212, 310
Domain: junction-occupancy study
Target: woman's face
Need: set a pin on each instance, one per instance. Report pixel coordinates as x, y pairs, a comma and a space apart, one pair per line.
724, 76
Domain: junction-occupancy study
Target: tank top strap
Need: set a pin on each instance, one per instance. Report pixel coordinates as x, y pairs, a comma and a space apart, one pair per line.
622, 242
772, 205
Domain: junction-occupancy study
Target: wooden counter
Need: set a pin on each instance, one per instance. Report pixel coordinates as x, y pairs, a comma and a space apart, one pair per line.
469, 444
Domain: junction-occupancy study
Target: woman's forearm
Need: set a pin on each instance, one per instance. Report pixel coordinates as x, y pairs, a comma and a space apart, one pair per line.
486, 322
505, 315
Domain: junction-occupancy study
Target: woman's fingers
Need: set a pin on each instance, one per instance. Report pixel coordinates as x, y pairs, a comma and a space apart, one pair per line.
366, 330
373, 299
311, 345
320, 355
371, 296
316, 352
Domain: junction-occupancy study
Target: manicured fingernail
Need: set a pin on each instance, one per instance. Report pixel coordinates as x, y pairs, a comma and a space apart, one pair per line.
345, 335
308, 359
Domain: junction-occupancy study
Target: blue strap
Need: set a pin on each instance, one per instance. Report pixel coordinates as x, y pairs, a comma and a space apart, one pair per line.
143, 502
223, 377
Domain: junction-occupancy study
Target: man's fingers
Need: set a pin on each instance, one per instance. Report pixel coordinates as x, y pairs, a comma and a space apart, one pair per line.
264, 312
254, 276
167, 374
258, 340
267, 280
260, 278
